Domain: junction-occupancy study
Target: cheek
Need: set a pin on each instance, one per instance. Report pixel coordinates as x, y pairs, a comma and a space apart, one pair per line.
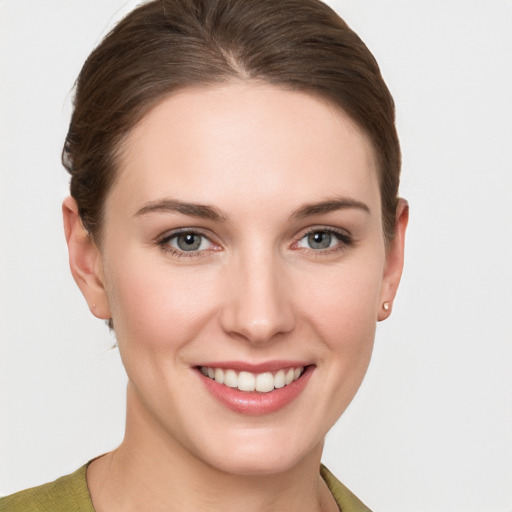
344, 306
343, 316
339, 312
157, 308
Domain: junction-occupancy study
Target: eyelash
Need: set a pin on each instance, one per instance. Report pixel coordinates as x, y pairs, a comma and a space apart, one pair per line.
344, 242
344, 239
163, 243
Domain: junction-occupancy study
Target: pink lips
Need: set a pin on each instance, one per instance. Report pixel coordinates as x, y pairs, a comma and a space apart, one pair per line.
270, 366
254, 403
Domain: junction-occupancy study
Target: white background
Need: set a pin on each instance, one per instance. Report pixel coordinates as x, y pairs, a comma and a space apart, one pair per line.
431, 429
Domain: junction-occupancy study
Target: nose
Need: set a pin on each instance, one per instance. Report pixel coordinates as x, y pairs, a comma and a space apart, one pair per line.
258, 303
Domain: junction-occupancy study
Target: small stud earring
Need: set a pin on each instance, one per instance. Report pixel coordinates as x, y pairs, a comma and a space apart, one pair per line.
386, 306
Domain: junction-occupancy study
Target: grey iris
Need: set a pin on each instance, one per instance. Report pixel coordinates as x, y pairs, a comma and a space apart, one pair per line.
319, 240
189, 242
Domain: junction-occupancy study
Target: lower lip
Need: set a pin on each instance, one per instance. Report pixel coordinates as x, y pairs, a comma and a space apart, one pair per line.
253, 403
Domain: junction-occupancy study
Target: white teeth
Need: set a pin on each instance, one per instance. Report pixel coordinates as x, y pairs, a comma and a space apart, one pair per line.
230, 378
264, 382
247, 381
279, 379
219, 375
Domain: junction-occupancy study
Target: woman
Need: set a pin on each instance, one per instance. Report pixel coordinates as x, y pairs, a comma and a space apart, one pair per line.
234, 218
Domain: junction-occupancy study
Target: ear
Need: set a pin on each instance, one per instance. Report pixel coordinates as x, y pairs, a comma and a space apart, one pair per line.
85, 261
394, 262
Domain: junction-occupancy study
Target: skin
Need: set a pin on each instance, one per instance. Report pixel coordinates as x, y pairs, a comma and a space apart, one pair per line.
256, 291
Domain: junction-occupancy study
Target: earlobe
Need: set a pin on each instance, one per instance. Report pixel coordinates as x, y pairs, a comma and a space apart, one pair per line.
394, 262
85, 261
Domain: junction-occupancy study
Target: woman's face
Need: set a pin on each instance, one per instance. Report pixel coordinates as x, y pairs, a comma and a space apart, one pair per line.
243, 240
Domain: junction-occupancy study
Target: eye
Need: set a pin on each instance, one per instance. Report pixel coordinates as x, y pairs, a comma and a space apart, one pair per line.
324, 239
186, 242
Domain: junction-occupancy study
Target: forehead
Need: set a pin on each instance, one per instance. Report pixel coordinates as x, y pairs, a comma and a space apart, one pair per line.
253, 139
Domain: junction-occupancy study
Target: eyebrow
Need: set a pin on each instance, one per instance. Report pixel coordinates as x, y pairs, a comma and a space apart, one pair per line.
202, 211
205, 211
328, 206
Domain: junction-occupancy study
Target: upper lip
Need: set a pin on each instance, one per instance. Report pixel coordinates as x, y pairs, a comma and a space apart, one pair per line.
244, 366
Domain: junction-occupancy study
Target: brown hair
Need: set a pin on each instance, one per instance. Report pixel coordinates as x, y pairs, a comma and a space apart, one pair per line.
166, 45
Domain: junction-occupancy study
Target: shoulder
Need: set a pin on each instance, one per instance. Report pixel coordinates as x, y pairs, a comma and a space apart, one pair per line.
66, 494
346, 500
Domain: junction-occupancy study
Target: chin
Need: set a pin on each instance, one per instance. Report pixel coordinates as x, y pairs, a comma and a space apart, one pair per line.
262, 465
259, 454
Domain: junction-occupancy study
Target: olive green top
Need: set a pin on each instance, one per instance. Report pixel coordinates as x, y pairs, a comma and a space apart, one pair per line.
70, 494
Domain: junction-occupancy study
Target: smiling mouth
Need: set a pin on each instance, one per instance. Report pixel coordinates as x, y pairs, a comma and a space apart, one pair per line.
250, 382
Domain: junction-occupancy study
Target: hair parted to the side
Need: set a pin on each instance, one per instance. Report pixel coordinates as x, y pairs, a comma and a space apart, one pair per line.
167, 45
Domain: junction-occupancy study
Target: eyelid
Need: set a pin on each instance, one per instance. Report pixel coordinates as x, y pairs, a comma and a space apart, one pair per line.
328, 229
344, 237
163, 242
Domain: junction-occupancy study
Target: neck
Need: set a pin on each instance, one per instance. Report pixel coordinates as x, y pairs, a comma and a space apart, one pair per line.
152, 471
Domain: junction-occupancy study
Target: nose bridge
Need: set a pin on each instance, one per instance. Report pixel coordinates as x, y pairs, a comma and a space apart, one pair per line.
258, 306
